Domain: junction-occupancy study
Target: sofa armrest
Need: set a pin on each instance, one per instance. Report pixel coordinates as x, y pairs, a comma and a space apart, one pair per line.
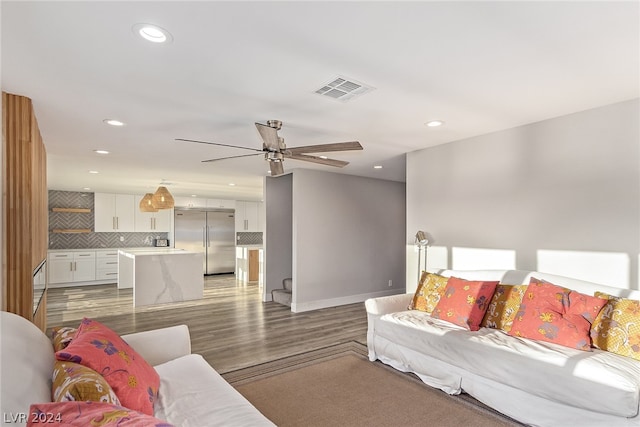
161, 345
390, 304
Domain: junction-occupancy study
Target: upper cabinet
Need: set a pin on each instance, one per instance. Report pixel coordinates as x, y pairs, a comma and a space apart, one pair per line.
151, 221
221, 203
198, 202
248, 216
114, 212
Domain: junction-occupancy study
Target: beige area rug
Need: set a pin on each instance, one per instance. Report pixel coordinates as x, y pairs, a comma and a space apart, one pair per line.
339, 386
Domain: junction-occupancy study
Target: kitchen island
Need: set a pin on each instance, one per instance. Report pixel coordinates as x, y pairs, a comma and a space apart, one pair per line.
160, 275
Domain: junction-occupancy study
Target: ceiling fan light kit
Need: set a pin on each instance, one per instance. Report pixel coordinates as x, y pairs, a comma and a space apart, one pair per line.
275, 150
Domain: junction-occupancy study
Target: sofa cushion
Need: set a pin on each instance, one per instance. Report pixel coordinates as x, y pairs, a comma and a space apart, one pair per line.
74, 382
617, 327
503, 307
97, 347
193, 394
26, 365
536, 367
430, 289
555, 314
465, 302
83, 414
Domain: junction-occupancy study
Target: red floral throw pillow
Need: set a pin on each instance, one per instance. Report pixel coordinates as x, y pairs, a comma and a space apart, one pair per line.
132, 379
464, 302
83, 414
555, 314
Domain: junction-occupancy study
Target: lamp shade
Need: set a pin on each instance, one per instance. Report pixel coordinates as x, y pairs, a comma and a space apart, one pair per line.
146, 204
162, 199
421, 238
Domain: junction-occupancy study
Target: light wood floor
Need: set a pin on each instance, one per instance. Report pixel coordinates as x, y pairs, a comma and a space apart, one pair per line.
230, 327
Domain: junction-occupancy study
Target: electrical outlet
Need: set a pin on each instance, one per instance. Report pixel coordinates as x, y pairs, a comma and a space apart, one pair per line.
122, 238
390, 283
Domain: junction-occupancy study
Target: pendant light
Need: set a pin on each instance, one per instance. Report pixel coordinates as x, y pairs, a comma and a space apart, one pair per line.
146, 204
162, 199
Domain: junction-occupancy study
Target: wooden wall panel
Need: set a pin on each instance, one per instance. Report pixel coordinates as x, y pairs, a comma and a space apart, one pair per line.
25, 214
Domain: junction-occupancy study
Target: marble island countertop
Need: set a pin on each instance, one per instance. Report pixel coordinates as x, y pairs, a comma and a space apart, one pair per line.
132, 252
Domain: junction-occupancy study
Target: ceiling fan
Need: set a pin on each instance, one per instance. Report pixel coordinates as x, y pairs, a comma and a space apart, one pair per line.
275, 150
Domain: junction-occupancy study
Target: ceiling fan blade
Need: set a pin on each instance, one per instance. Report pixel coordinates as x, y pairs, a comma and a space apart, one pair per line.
269, 136
231, 157
316, 159
218, 144
276, 168
325, 148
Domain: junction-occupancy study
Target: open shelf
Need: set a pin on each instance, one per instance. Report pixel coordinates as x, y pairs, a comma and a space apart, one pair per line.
71, 230
72, 210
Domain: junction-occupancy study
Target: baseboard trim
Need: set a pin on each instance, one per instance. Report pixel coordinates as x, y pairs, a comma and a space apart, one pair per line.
334, 302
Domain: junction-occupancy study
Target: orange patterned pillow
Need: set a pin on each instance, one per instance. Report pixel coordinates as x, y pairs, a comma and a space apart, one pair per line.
617, 327
430, 289
464, 302
503, 307
97, 347
555, 314
74, 382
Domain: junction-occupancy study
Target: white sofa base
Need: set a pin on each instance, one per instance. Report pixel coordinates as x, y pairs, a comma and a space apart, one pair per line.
389, 346
191, 393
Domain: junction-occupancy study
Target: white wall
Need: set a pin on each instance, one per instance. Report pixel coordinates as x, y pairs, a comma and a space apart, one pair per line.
348, 239
278, 241
570, 183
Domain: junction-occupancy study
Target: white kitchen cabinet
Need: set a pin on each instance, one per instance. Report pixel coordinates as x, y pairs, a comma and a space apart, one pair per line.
221, 204
190, 202
151, 221
114, 212
248, 216
60, 267
107, 265
70, 267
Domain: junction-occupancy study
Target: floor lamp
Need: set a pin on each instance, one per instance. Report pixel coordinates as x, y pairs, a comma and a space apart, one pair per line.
421, 241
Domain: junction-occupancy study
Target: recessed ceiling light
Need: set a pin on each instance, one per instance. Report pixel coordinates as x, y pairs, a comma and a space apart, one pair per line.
152, 33
194, 195
94, 172
113, 122
323, 157
377, 167
435, 123
86, 188
232, 184
101, 151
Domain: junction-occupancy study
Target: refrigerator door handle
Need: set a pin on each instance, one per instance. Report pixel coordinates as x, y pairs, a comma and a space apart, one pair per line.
208, 237
204, 237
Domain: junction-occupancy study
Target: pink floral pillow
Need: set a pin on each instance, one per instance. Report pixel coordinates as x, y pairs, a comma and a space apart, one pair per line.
464, 302
83, 414
132, 379
555, 314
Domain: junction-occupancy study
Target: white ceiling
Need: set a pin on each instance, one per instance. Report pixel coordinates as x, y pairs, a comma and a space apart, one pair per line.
479, 66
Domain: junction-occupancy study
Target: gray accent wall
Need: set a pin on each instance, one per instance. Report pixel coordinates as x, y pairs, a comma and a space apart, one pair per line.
570, 183
348, 238
278, 196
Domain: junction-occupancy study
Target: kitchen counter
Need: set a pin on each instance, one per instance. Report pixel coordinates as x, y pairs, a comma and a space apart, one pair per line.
160, 275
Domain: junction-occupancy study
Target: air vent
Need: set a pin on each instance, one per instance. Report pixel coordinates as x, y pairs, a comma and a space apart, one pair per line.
343, 89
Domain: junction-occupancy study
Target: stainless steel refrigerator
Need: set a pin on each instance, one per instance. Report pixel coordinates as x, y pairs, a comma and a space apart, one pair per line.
210, 232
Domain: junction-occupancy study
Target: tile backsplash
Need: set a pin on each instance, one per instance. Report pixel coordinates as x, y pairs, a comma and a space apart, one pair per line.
249, 238
73, 199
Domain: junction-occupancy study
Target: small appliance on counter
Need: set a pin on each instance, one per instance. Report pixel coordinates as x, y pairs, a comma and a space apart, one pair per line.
161, 243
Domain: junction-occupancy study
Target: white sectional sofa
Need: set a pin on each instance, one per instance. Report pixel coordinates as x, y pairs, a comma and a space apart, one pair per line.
534, 382
191, 392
